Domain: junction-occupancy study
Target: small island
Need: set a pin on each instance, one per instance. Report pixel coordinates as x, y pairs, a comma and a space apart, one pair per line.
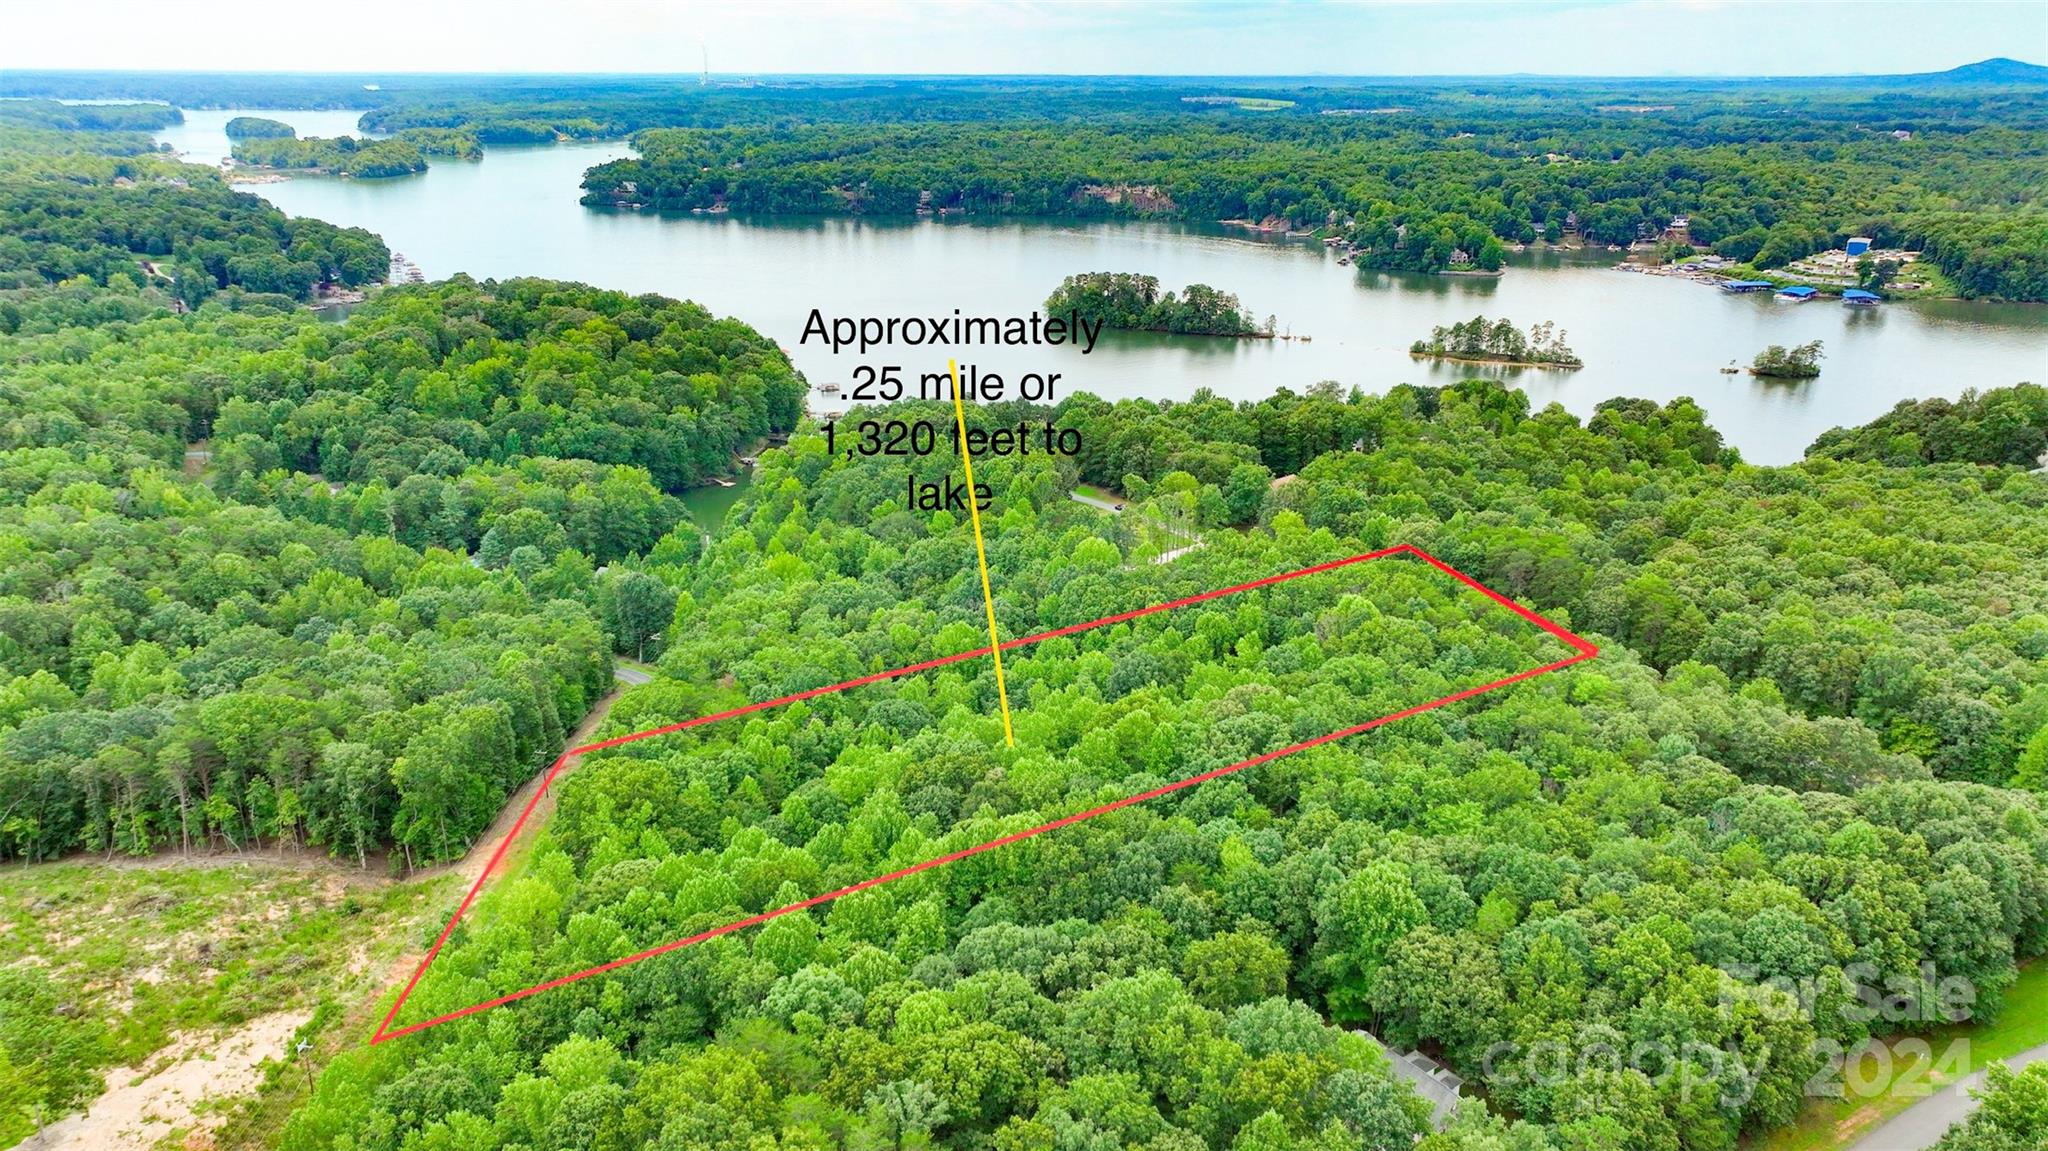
258, 128
1780, 362
1483, 341
1133, 303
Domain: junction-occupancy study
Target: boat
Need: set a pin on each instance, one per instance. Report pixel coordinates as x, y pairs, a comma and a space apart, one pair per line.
829, 389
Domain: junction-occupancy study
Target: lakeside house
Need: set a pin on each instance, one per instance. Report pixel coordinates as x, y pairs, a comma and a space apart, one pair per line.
1798, 294
1741, 286
1860, 298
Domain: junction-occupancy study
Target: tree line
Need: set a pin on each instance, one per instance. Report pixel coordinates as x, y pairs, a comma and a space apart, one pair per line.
1412, 189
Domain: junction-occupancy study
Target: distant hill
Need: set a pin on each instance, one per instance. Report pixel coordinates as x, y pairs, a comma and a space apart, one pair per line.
1997, 70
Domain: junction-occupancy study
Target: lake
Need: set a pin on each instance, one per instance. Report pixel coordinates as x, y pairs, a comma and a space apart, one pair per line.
203, 137
515, 212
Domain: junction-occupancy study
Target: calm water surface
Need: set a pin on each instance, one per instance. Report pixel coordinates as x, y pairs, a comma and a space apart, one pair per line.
203, 138
515, 213
709, 503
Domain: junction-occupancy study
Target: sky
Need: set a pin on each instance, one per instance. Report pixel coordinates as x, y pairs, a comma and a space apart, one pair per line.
1164, 37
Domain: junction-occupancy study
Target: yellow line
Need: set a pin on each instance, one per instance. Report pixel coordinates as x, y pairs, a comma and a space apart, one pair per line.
988, 599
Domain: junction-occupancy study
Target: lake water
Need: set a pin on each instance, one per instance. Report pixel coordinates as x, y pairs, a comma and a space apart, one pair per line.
203, 138
709, 503
515, 213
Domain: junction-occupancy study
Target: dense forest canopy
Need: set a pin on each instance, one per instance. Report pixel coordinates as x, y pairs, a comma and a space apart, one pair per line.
1811, 758
539, 428
1602, 855
61, 117
100, 206
2001, 426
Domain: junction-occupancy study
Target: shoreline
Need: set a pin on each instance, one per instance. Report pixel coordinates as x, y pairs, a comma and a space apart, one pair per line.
1207, 335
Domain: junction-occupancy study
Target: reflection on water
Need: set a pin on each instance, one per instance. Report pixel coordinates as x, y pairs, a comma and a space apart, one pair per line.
515, 213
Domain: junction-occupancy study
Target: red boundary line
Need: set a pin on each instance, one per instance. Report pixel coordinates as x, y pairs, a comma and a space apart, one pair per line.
1583, 648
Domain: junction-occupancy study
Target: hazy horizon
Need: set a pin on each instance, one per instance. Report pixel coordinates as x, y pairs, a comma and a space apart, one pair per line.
715, 75
1397, 39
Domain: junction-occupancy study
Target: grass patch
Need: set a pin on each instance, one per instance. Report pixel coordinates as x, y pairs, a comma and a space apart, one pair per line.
134, 955
1830, 1123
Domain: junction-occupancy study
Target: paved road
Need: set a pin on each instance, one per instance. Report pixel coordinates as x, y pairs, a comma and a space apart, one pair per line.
1924, 1123
1113, 508
632, 675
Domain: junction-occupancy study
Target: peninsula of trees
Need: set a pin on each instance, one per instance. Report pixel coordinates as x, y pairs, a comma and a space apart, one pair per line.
177, 228
1133, 302
398, 155
1480, 340
335, 155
